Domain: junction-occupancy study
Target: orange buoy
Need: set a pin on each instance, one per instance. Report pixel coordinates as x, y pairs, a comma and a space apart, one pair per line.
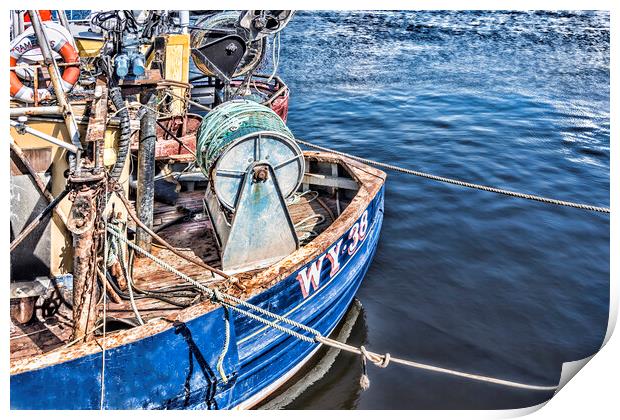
43, 14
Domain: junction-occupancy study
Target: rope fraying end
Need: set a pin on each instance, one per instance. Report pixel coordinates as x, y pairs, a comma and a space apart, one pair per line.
364, 382
364, 379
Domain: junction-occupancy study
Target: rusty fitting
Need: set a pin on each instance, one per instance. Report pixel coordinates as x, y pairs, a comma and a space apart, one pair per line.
260, 173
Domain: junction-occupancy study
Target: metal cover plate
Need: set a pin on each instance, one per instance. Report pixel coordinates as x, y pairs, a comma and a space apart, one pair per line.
281, 152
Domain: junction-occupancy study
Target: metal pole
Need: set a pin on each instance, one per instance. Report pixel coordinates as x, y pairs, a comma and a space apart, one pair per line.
32, 226
14, 23
62, 18
20, 127
83, 222
184, 20
35, 110
21, 22
146, 173
52, 67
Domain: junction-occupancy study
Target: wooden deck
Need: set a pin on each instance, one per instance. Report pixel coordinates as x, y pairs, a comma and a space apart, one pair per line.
192, 234
30, 352
195, 238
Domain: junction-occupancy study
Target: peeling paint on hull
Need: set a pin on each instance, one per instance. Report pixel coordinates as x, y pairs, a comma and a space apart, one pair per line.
175, 367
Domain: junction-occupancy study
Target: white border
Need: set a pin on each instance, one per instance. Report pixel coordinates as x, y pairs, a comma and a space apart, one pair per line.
592, 394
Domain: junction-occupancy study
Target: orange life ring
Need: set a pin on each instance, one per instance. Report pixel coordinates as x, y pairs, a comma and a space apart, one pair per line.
59, 39
43, 14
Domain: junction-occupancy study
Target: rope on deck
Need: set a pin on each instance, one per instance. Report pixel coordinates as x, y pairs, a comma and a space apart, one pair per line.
231, 302
221, 297
453, 181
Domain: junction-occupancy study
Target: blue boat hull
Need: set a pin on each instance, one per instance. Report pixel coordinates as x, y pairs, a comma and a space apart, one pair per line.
177, 368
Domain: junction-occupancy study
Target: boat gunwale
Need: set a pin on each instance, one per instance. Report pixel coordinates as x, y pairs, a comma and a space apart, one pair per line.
370, 181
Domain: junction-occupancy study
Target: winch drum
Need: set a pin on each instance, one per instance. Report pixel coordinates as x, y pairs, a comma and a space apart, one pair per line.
280, 152
253, 164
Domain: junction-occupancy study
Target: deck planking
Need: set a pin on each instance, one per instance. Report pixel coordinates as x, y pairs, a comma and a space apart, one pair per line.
192, 236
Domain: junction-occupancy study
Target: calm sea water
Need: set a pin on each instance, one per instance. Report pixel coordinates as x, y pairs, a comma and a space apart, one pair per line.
465, 279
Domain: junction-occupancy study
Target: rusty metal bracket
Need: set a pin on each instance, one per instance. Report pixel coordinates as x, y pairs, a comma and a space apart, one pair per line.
85, 214
97, 122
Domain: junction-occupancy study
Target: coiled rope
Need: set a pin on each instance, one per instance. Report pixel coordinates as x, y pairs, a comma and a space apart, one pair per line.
231, 302
118, 254
230, 121
453, 181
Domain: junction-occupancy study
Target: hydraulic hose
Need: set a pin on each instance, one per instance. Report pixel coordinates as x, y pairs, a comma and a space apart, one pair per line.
124, 139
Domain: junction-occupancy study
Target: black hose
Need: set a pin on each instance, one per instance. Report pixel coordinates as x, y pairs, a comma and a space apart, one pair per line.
144, 294
125, 136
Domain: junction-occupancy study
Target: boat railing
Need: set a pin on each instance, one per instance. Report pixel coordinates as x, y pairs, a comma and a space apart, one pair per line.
53, 69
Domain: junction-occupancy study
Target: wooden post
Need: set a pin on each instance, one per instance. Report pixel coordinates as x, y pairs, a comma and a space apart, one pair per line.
176, 67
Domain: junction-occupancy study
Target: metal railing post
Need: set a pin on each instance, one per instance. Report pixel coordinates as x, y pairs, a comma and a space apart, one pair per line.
54, 72
14, 23
62, 18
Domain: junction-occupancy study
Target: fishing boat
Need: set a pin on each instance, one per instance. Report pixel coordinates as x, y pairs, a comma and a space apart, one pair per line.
172, 246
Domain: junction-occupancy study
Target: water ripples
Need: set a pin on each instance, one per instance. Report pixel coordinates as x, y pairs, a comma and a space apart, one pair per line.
467, 279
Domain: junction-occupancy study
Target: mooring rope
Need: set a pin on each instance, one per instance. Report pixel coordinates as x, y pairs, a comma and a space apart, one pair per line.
213, 294
453, 181
116, 253
130, 285
220, 360
379, 360
383, 360
105, 305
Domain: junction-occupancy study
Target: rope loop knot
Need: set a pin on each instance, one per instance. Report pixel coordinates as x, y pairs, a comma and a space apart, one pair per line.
378, 360
215, 296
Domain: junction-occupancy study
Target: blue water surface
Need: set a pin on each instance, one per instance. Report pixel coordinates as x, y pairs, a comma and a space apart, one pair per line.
465, 279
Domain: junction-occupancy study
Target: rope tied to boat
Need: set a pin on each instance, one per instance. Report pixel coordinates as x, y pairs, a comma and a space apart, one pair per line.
458, 182
380, 360
126, 272
220, 360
